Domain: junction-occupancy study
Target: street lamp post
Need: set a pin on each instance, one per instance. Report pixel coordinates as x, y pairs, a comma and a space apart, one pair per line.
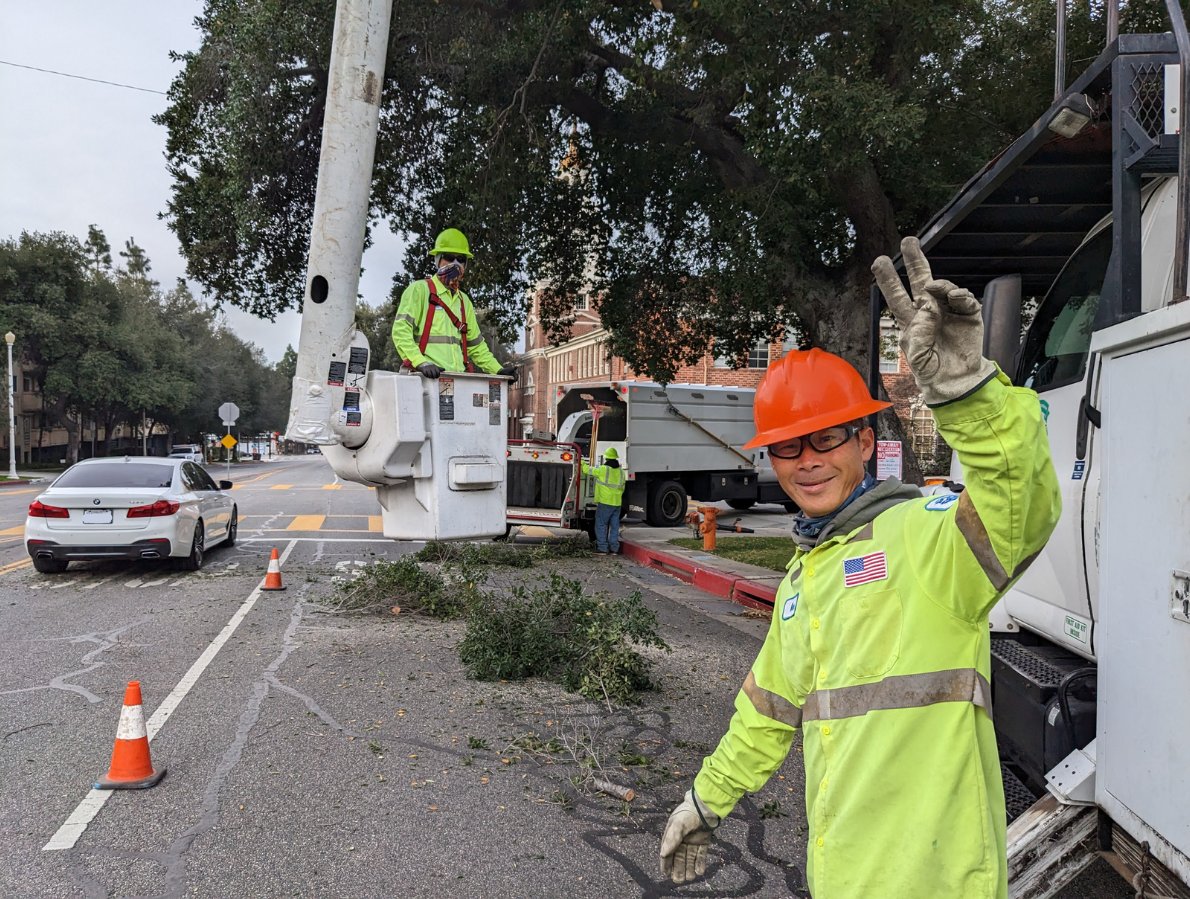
10, 339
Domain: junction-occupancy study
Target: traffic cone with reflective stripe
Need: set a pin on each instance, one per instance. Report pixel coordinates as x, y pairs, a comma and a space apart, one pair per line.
130, 768
272, 579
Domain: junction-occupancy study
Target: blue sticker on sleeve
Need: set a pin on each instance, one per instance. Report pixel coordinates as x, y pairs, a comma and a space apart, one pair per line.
942, 502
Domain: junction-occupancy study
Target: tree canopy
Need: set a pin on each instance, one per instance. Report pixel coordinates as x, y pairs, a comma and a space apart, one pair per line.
731, 168
110, 346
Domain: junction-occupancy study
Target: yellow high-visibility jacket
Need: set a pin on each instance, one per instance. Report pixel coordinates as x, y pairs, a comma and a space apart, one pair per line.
445, 344
609, 483
879, 651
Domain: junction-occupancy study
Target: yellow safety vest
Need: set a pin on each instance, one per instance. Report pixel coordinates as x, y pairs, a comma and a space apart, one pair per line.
878, 651
609, 483
444, 346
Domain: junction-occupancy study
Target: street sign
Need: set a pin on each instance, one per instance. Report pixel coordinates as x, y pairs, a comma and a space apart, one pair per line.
228, 413
228, 441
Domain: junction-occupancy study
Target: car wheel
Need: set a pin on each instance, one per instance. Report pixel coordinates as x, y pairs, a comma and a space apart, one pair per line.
193, 562
49, 566
233, 529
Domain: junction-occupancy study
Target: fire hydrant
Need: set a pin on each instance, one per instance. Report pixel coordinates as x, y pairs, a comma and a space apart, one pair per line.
709, 527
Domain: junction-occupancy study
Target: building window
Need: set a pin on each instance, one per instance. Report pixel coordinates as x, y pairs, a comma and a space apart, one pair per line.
529, 384
890, 350
580, 303
758, 356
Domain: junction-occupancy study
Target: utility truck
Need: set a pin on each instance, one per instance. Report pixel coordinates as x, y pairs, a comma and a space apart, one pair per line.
676, 441
1086, 213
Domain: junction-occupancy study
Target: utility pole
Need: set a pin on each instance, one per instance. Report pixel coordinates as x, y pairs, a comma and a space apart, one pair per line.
10, 339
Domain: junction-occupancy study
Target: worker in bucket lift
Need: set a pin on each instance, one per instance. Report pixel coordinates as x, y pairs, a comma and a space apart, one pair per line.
878, 649
435, 329
609, 493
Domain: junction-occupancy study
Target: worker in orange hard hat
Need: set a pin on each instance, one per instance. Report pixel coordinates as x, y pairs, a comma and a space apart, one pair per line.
878, 649
815, 398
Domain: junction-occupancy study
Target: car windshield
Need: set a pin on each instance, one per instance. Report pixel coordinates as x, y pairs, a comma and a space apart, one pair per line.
118, 474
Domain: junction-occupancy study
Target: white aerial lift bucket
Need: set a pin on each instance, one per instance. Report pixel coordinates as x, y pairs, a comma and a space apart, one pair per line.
436, 454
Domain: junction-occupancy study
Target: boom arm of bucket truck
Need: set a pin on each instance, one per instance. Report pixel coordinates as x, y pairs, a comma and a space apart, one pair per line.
434, 450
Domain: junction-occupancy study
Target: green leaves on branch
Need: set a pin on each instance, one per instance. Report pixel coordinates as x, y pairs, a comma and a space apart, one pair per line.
560, 632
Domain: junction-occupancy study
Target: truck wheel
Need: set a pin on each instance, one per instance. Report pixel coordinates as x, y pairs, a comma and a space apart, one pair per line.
741, 505
667, 504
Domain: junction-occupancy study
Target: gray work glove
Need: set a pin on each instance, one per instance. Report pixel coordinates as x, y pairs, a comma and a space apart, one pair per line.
941, 327
685, 838
430, 370
510, 371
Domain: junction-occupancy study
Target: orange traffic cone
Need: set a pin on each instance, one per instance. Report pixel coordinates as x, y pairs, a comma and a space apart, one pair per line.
272, 579
130, 768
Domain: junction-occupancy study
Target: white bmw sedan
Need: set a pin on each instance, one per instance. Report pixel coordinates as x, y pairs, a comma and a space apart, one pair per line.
133, 508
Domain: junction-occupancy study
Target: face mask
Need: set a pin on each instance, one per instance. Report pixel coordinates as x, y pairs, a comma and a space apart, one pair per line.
450, 273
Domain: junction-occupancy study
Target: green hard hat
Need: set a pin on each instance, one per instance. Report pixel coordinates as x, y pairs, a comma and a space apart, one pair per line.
610, 453
452, 240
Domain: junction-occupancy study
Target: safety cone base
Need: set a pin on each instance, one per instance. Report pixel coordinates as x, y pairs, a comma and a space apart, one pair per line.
143, 784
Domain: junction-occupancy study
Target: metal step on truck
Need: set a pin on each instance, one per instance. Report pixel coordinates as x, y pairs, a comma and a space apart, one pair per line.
676, 442
1085, 215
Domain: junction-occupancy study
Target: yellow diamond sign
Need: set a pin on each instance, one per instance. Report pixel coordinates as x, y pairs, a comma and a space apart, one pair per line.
228, 441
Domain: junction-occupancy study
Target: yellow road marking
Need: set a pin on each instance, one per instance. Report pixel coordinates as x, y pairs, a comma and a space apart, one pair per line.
18, 531
374, 524
19, 492
281, 487
332, 486
13, 566
306, 523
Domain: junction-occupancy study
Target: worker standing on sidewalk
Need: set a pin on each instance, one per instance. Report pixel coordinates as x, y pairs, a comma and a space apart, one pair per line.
878, 648
609, 494
435, 329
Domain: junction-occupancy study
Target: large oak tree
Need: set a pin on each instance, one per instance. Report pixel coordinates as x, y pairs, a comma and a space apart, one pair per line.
734, 166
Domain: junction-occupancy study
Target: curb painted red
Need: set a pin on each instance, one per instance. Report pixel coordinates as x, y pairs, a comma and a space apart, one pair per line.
710, 580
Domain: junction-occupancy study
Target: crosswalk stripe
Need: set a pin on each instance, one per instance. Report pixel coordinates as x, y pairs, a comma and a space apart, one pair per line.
306, 523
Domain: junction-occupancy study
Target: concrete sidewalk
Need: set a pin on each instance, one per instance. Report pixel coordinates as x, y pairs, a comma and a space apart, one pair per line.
27, 477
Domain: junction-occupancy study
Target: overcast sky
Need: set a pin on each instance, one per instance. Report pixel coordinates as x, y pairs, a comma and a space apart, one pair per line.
76, 152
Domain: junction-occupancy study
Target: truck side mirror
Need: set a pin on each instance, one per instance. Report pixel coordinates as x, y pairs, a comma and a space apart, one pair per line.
1002, 321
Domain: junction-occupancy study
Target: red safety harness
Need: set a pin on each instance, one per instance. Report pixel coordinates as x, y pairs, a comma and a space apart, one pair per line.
460, 322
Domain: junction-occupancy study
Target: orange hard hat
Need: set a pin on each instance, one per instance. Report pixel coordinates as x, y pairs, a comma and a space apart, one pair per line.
805, 391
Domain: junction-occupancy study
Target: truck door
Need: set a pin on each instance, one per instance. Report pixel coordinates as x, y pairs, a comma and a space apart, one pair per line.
1052, 596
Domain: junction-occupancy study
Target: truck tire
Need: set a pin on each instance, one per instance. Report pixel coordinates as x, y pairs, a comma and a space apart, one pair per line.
667, 504
741, 505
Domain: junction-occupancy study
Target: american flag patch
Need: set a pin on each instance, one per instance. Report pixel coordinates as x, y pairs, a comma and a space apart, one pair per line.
861, 570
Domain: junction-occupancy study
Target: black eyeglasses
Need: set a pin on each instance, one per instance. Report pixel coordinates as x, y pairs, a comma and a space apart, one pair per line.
821, 441
453, 257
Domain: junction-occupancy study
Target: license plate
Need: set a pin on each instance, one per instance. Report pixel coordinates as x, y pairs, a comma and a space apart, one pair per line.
97, 516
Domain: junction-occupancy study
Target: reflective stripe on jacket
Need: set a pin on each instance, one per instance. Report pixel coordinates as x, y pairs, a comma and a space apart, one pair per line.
609, 483
445, 347
878, 650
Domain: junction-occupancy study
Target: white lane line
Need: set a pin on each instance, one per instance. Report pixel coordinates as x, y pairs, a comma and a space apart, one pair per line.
70, 831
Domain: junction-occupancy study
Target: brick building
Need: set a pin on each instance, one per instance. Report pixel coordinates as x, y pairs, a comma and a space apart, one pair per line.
586, 358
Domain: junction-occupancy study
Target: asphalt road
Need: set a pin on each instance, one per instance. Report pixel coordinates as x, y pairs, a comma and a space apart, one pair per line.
317, 754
